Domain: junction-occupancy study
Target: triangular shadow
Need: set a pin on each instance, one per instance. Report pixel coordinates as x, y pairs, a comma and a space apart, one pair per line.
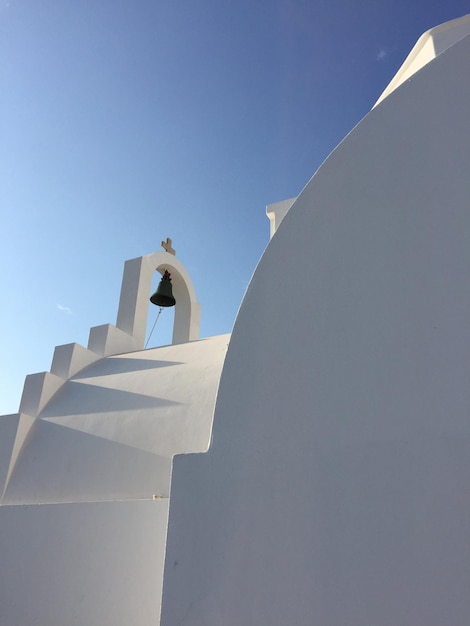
59, 464
76, 398
121, 365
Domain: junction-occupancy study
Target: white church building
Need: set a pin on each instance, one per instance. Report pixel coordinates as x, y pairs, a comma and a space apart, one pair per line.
309, 469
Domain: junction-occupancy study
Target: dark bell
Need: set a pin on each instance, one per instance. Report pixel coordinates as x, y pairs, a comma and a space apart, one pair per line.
164, 294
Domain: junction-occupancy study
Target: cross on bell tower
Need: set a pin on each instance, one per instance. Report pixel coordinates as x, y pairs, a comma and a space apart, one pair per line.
166, 245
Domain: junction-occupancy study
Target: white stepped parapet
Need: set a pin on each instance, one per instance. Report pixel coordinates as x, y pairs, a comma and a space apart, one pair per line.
106, 340
37, 391
70, 358
129, 334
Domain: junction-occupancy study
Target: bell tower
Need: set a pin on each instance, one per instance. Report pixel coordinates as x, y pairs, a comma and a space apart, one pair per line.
135, 292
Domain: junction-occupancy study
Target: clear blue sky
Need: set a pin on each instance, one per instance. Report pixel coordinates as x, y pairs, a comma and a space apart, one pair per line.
122, 123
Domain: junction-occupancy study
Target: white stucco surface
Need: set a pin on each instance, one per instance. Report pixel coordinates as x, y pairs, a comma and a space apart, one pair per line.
335, 491
87, 564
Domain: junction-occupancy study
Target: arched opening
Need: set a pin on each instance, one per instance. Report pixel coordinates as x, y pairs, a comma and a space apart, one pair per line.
135, 293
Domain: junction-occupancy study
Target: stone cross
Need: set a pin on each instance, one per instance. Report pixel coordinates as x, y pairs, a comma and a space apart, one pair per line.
166, 245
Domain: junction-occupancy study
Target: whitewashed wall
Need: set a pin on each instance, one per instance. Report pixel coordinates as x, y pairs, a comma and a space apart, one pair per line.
93, 563
85, 485
336, 488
